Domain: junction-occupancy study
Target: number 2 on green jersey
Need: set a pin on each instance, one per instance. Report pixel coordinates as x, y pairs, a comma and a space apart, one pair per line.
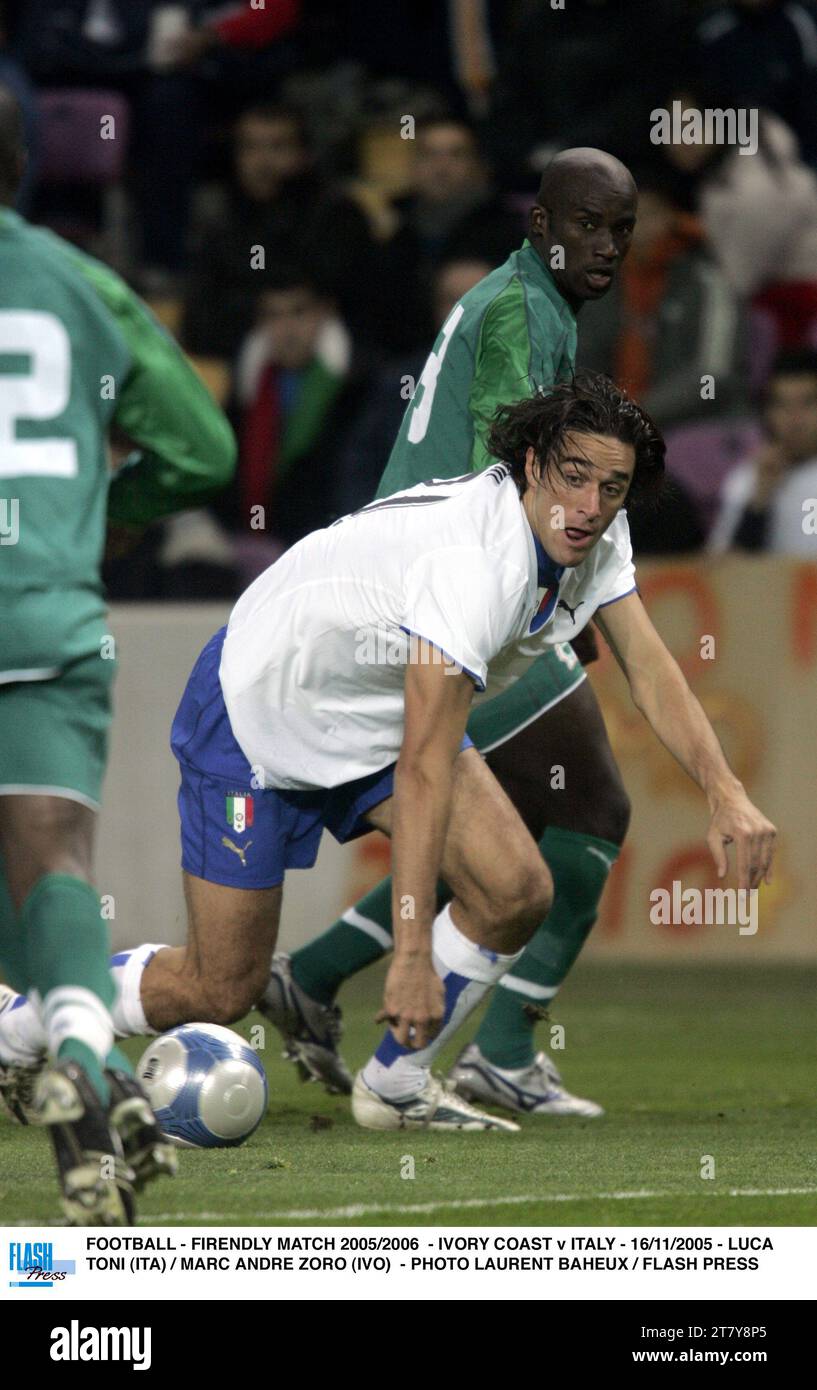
40, 391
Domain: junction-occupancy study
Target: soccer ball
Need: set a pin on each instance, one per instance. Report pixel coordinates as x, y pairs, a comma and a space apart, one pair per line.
206, 1086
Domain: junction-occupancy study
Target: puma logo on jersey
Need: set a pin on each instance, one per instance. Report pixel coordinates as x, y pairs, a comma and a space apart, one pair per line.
240, 850
568, 609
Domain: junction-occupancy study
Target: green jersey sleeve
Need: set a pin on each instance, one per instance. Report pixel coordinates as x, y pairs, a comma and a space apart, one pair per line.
187, 448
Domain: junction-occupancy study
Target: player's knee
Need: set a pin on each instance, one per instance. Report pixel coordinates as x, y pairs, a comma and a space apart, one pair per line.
231, 997
525, 896
537, 894
41, 835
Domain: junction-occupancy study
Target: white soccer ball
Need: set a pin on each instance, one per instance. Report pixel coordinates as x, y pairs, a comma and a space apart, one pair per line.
207, 1088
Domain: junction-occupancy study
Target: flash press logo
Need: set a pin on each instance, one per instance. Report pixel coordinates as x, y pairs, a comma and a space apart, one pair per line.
75, 1343
33, 1264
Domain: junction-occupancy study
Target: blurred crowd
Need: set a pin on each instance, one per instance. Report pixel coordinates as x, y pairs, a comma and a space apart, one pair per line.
302, 189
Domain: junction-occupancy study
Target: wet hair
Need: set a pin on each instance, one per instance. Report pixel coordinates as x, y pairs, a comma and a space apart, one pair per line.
589, 404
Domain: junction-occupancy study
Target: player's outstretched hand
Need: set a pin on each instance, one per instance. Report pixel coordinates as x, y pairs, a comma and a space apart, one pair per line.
735, 821
413, 1001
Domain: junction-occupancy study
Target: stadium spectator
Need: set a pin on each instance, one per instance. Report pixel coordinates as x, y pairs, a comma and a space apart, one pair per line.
105, 44
241, 26
759, 213
670, 320
447, 45
299, 382
229, 57
14, 77
671, 525
278, 202
453, 211
770, 501
585, 74
374, 429
763, 53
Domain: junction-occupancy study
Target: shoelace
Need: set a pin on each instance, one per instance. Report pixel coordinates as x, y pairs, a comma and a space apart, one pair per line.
544, 1063
449, 1088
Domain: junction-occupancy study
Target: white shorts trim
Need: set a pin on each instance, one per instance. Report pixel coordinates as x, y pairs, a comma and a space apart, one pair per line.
563, 694
68, 793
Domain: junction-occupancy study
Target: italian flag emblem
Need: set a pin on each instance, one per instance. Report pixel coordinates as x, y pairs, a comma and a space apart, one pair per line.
239, 813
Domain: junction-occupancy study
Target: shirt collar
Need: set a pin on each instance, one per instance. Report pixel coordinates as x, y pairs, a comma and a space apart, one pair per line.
534, 266
548, 573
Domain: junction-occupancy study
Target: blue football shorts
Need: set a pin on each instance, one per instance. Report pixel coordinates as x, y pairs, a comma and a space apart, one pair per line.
238, 835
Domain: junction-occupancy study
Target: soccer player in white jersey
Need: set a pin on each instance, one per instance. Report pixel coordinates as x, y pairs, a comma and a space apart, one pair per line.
337, 697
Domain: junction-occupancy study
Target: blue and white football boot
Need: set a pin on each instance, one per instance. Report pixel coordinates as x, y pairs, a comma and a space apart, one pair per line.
436, 1107
534, 1090
18, 1079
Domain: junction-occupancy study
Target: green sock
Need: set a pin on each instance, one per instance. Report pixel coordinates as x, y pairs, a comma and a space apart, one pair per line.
360, 936
68, 965
12, 942
579, 865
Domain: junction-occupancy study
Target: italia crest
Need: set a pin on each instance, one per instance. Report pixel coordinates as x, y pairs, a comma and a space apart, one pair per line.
239, 813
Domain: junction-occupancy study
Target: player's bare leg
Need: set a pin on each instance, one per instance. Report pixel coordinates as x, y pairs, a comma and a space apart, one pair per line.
218, 974
579, 820
47, 844
502, 889
501, 886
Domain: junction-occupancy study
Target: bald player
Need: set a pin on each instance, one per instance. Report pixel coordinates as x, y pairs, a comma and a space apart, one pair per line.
512, 335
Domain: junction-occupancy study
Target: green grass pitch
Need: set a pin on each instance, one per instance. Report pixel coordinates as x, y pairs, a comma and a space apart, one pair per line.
688, 1062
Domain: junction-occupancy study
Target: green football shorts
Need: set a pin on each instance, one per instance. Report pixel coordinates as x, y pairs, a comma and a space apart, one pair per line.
54, 732
551, 677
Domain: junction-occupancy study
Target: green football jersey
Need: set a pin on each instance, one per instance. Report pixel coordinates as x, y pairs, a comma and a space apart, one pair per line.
78, 353
508, 337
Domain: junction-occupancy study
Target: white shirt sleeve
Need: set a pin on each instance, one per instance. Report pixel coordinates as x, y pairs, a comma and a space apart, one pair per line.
464, 606
619, 567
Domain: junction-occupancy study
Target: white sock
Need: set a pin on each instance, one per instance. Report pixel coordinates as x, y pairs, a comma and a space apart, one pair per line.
22, 1035
69, 1011
468, 971
127, 968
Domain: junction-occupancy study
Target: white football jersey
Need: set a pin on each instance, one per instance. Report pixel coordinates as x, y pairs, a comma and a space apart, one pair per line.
312, 668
